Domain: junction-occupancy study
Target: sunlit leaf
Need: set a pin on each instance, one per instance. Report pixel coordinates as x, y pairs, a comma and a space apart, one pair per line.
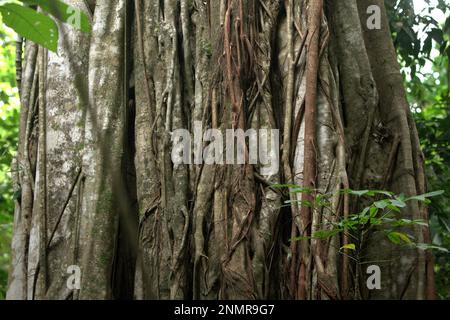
398, 237
423, 197
350, 246
63, 12
30, 24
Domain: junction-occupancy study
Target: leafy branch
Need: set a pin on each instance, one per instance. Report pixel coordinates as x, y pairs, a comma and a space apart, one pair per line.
37, 26
382, 213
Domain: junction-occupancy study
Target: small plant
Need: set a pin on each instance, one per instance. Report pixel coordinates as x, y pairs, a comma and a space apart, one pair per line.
381, 215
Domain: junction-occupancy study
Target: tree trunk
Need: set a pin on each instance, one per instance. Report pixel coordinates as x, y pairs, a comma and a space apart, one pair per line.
99, 189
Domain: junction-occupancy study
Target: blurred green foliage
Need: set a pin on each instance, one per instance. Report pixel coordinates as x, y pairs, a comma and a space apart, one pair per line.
9, 123
433, 124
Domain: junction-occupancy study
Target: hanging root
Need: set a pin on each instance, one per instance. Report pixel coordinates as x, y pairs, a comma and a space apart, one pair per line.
19, 52
310, 156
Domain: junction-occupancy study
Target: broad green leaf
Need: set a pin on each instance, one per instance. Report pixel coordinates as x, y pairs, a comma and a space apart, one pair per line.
31, 25
324, 234
301, 190
420, 222
404, 237
350, 246
65, 13
408, 222
375, 221
434, 193
321, 201
373, 212
398, 203
358, 193
284, 186
381, 204
299, 238
348, 223
364, 212
397, 237
401, 197
393, 208
363, 220
422, 197
393, 238
426, 246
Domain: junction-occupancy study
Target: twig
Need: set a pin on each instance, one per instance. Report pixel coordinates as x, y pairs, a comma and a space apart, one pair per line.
19, 52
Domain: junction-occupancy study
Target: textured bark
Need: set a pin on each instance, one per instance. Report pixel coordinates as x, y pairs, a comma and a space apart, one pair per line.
99, 189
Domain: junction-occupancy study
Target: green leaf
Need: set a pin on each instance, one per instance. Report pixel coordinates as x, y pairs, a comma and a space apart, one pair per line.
426, 246
437, 35
348, 224
404, 237
31, 25
398, 203
397, 237
375, 221
324, 234
423, 197
381, 204
65, 13
393, 208
358, 193
365, 211
299, 238
301, 190
373, 212
407, 222
369, 193
350, 246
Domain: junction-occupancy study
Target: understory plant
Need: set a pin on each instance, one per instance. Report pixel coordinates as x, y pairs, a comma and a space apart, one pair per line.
383, 212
